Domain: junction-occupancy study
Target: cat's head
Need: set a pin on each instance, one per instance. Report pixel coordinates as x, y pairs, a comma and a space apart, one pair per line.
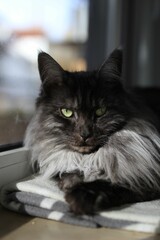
82, 109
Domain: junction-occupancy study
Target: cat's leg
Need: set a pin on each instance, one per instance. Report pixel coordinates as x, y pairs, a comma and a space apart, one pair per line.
91, 197
66, 181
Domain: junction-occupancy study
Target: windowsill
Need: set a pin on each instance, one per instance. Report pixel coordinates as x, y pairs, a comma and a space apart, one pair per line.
14, 165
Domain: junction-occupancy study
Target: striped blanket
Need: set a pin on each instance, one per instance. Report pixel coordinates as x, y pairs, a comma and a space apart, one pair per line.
36, 197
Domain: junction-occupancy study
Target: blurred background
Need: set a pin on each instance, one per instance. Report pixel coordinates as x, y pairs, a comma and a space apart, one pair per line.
79, 34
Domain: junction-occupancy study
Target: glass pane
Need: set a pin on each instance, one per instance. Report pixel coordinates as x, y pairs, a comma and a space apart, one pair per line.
26, 27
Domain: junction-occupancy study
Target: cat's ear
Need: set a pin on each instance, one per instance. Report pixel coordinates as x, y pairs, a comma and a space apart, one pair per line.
113, 65
49, 69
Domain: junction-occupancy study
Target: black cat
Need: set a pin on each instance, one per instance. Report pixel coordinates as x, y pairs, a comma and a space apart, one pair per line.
94, 137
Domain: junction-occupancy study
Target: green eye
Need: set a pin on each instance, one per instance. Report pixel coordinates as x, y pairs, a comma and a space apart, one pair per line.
100, 111
67, 112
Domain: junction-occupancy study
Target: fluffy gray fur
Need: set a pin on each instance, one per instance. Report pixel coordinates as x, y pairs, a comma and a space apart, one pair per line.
129, 155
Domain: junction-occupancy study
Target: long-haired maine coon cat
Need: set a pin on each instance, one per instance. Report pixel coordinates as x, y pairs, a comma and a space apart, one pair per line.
93, 137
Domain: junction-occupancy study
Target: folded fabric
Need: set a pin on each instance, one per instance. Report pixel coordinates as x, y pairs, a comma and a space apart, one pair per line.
42, 198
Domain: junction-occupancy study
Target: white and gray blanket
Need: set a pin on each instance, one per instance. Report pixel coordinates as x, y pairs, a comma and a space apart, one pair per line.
36, 197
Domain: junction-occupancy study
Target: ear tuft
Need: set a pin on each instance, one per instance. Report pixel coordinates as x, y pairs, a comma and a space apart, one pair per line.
113, 65
49, 69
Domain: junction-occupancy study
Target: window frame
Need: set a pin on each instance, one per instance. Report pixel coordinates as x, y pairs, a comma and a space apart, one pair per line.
10, 146
14, 165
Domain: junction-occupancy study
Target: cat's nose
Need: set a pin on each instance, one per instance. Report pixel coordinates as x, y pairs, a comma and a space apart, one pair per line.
85, 135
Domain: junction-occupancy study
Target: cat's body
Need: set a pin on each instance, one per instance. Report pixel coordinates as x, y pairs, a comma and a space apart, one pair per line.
91, 135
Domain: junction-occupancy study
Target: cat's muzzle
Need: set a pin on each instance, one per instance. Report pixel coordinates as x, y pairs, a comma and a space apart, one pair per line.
83, 149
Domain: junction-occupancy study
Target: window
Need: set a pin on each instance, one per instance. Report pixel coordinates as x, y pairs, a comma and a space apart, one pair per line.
57, 27
61, 28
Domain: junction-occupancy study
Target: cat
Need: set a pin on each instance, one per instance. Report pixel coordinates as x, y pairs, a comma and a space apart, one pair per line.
94, 137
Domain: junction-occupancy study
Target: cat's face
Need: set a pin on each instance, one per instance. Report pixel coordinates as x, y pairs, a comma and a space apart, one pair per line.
82, 108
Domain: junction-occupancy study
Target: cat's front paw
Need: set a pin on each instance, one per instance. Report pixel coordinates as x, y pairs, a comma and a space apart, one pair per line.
84, 200
68, 180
